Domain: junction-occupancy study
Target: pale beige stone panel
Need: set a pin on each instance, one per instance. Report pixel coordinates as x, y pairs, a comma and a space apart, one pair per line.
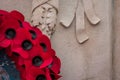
116, 44
89, 61
93, 59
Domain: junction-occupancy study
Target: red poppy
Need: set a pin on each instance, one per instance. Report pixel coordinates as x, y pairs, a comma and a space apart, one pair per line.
22, 43
23, 75
17, 15
3, 12
54, 68
2, 15
8, 31
55, 65
35, 32
36, 74
54, 76
36, 59
22, 71
8, 51
44, 43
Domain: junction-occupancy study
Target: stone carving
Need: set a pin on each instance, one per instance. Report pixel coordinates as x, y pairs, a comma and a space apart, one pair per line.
44, 15
79, 8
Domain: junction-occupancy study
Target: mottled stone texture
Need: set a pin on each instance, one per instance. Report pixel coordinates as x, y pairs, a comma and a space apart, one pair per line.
24, 6
116, 49
91, 60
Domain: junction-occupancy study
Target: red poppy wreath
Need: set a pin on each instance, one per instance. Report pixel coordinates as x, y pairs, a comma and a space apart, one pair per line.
28, 48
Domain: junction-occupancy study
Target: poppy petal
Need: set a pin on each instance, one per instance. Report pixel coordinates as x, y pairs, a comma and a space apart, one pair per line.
5, 43
55, 65
21, 52
17, 15
46, 62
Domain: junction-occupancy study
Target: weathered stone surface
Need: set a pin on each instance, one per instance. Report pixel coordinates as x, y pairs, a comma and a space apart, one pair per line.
89, 61
93, 59
116, 37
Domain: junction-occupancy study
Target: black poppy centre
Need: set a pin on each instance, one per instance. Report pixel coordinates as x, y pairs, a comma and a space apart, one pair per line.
26, 45
37, 61
33, 34
20, 23
40, 77
10, 33
52, 76
43, 45
15, 54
